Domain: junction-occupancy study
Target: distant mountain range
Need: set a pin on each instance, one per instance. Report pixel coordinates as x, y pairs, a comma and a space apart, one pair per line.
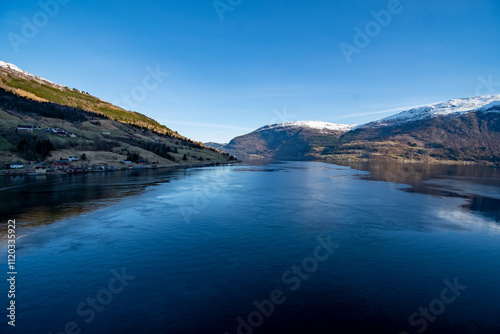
457, 130
465, 129
42, 121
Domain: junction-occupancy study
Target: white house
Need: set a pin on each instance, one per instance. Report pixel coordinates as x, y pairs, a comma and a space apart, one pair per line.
41, 169
73, 159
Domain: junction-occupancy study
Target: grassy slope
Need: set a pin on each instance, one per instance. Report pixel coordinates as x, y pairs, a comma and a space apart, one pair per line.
77, 99
89, 127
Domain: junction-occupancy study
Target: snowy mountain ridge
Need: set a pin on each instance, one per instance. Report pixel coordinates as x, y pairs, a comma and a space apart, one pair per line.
314, 125
14, 68
455, 108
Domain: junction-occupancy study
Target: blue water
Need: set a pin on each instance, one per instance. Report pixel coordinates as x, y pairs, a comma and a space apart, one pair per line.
199, 246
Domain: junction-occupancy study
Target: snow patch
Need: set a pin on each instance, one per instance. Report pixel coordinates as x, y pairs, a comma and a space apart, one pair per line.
456, 108
314, 125
14, 68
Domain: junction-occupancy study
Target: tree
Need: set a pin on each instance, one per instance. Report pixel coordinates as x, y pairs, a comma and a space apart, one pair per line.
83, 157
184, 157
133, 157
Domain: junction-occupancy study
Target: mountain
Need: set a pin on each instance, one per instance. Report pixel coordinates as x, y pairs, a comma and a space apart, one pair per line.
457, 130
452, 108
291, 140
465, 129
214, 145
44, 121
31, 86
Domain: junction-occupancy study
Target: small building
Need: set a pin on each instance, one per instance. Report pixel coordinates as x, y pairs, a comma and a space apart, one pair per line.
106, 133
25, 127
127, 162
73, 159
61, 163
16, 165
141, 161
40, 169
72, 135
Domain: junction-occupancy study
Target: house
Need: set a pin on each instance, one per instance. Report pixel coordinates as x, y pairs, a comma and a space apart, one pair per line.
16, 165
72, 135
61, 132
25, 127
127, 162
61, 163
40, 169
73, 159
141, 162
49, 130
106, 133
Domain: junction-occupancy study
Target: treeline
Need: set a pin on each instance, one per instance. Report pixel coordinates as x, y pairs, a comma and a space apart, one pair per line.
30, 148
160, 149
75, 99
12, 102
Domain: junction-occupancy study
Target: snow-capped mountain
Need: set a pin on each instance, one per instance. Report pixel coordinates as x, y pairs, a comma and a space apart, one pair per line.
289, 140
8, 67
312, 125
454, 108
465, 129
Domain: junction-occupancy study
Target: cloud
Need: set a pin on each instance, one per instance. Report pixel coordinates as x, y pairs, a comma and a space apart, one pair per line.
386, 111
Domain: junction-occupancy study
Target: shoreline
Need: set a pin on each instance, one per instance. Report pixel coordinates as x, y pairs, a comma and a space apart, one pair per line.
80, 171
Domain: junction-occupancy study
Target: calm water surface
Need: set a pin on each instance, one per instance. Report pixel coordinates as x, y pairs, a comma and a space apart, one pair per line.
365, 248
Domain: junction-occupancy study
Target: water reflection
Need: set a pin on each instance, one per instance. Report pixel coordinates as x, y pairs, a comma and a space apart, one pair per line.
479, 185
44, 199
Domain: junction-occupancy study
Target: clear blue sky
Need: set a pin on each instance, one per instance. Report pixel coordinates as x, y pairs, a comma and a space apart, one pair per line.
268, 61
